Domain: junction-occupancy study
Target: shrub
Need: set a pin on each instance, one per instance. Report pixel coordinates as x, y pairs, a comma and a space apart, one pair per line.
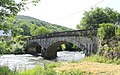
4, 70
4, 48
38, 70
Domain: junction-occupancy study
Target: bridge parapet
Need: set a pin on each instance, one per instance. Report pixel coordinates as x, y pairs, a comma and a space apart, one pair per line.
87, 32
86, 40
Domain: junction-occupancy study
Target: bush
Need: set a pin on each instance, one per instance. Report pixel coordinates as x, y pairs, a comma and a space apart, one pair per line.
4, 48
38, 70
6, 71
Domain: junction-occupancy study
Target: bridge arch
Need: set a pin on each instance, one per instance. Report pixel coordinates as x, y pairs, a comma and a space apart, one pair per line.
33, 48
86, 40
51, 51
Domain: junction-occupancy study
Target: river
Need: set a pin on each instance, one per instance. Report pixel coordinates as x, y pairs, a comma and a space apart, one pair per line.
28, 61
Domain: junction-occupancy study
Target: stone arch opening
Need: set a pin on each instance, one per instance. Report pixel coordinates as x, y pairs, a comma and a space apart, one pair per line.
68, 47
51, 51
33, 48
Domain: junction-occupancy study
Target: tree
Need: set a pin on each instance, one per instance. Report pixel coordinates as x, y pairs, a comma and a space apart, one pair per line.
16, 31
96, 16
33, 27
26, 28
69, 46
117, 30
106, 31
41, 30
10, 8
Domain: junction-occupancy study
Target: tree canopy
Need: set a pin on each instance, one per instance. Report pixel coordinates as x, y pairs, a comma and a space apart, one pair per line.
31, 26
96, 16
9, 9
41, 30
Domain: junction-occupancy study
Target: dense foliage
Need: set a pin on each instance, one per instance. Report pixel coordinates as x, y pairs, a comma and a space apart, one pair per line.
107, 21
10, 8
8, 11
4, 70
30, 24
106, 30
96, 16
109, 40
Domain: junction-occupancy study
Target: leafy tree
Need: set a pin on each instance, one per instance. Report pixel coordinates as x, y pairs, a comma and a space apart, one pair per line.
41, 30
68, 46
33, 27
96, 16
16, 31
26, 28
10, 8
8, 11
106, 30
4, 47
52, 27
117, 30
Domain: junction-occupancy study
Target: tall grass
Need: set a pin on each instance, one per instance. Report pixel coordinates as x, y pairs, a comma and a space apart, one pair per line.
101, 59
4, 70
47, 69
39, 71
78, 72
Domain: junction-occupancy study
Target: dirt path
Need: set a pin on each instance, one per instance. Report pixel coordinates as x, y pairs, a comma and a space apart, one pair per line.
93, 68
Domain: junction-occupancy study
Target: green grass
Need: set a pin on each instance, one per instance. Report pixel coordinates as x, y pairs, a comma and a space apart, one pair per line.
4, 70
101, 59
38, 71
71, 73
47, 69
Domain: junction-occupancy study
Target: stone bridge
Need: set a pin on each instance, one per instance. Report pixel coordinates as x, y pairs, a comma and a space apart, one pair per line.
47, 44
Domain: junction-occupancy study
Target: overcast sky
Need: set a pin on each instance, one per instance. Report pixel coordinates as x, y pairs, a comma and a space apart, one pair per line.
66, 13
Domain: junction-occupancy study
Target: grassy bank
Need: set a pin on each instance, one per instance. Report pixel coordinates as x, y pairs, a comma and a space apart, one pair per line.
93, 65
4, 70
101, 59
90, 68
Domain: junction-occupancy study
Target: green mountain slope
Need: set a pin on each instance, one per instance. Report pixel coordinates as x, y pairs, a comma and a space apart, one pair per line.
52, 27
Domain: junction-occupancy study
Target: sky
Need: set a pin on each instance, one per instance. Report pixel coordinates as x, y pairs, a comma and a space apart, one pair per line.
66, 13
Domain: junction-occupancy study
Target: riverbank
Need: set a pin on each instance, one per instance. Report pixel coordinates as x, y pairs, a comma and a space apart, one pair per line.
93, 65
90, 68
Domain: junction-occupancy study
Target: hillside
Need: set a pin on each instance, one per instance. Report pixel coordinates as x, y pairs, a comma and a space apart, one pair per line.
52, 27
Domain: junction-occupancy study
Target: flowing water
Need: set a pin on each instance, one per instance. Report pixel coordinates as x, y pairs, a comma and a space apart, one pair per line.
28, 61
